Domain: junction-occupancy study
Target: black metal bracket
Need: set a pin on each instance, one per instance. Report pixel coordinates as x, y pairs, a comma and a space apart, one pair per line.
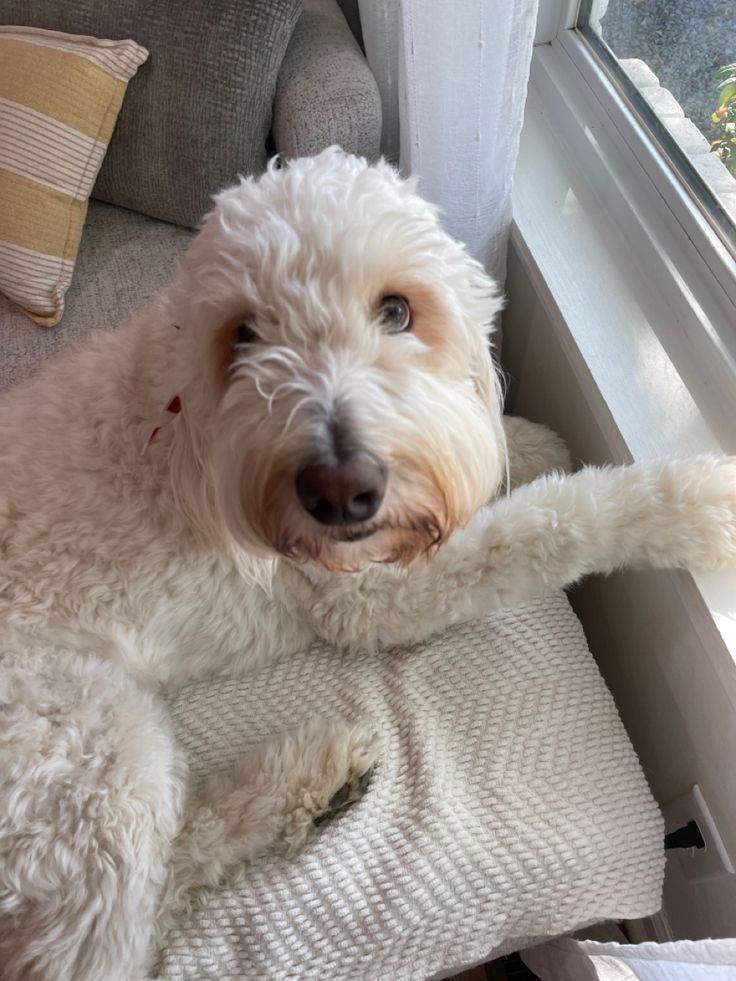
688, 836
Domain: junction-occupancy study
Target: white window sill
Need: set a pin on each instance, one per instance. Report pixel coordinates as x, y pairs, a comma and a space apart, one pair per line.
652, 355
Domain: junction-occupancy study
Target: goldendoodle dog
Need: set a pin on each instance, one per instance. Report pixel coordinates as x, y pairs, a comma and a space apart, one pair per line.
335, 438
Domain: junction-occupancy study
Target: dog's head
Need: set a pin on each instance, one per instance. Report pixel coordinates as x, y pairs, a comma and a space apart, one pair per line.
341, 400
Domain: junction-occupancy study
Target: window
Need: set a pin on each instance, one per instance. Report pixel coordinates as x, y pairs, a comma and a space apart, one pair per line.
633, 289
674, 62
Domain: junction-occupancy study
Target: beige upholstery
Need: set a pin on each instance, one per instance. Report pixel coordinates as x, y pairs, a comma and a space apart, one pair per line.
125, 258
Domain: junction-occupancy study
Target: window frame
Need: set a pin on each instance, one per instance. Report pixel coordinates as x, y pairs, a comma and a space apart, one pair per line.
702, 195
645, 149
557, 26
632, 213
659, 215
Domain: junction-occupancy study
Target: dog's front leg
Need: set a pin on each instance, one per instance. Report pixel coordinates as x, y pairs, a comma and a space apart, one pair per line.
544, 536
272, 799
548, 534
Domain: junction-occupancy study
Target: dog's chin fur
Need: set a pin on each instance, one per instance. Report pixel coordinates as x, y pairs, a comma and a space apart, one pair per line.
420, 512
424, 502
399, 542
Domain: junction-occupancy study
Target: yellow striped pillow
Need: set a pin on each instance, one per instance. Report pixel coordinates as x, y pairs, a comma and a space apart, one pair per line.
60, 95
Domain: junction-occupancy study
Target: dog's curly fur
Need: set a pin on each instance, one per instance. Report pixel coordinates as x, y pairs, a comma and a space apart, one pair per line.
123, 571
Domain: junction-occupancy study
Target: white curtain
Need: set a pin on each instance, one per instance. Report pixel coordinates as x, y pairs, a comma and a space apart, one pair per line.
453, 77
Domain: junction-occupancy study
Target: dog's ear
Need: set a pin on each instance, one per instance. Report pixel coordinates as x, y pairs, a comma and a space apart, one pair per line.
482, 304
485, 374
488, 381
485, 377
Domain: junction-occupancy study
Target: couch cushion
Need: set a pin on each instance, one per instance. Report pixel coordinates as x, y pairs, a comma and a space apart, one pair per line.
60, 95
125, 258
507, 806
326, 92
199, 111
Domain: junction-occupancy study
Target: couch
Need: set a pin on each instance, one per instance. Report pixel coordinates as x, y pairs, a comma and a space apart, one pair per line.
325, 94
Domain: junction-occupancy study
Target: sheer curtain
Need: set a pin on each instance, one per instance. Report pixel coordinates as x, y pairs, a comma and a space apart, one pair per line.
453, 77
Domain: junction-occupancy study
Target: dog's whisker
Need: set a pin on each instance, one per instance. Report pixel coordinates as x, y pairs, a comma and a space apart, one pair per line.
299, 409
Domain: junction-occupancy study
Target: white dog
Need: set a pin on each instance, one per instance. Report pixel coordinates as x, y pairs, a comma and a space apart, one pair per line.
340, 424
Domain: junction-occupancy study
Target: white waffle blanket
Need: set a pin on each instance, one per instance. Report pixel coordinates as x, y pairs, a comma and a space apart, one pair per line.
508, 806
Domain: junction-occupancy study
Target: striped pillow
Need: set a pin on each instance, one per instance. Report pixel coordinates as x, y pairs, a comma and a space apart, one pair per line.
60, 95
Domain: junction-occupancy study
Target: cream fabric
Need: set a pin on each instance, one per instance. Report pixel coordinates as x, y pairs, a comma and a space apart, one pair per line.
684, 960
124, 260
508, 806
59, 99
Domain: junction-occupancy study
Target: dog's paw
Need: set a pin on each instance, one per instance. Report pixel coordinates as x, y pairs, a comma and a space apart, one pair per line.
331, 764
699, 495
349, 793
720, 491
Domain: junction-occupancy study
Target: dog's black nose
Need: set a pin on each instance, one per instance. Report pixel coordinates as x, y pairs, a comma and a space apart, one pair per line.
342, 492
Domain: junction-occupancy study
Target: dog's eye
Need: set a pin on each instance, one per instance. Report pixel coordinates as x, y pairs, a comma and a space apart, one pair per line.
246, 334
395, 314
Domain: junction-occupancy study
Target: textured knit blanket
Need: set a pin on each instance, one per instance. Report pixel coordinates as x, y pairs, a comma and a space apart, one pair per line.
508, 806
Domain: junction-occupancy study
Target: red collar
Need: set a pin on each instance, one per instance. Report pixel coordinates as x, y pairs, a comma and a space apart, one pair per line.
171, 411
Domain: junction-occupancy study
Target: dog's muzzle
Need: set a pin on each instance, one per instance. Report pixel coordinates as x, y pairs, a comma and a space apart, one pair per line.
342, 490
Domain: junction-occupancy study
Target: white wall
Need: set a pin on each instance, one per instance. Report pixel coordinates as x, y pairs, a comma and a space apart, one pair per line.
673, 681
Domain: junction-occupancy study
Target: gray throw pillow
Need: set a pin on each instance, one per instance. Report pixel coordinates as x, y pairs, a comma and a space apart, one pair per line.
199, 111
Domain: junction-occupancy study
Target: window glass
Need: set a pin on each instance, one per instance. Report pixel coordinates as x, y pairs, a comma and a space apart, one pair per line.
676, 62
